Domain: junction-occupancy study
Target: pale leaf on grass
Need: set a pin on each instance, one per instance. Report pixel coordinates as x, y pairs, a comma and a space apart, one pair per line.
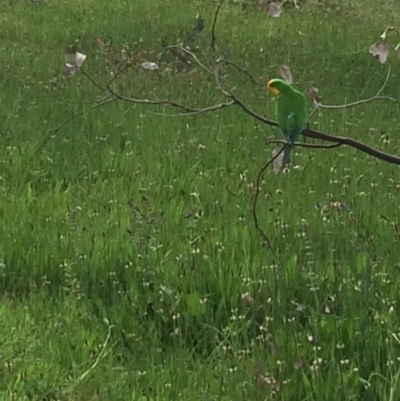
70, 69
313, 94
274, 10
278, 162
397, 49
149, 66
79, 59
247, 300
285, 73
380, 50
387, 30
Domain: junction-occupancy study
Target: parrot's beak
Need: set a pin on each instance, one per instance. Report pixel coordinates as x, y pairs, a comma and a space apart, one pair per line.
272, 88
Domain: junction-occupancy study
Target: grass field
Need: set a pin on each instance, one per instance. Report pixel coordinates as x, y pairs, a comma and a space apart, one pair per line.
130, 268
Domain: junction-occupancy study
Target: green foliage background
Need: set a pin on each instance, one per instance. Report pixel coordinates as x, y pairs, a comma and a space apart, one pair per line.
123, 217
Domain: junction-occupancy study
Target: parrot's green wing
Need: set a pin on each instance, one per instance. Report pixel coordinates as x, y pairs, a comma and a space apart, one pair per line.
292, 114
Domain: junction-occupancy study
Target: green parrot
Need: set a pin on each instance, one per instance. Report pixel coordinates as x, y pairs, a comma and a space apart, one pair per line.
291, 110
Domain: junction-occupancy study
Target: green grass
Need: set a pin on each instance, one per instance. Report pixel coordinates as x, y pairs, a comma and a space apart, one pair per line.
130, 265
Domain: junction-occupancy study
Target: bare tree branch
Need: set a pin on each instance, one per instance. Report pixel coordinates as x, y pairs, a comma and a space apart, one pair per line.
213, 38
240, 69
310, 133
387, 157
195, 58
93, 82
377, 96
80, 101
188, 110
336, 141
319, 135
118, 73
235, 100
54, 131
306, 145
312, 113
356, 103
195, 111
256, 195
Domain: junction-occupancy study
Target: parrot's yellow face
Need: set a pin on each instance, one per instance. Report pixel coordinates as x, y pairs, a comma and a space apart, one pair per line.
272, 88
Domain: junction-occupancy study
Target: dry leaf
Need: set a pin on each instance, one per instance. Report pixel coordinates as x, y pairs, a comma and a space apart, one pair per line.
259, 379
285, 73
247, 300
274, 384
277, 161
274, 349
79, 59
260, 383
313, 94
258, 369
301, 363
274, 10
380, 50
150, 66
304, 225
179, 54
69, 69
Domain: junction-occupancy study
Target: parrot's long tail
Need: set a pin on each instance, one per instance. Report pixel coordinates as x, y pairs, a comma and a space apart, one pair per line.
286, 153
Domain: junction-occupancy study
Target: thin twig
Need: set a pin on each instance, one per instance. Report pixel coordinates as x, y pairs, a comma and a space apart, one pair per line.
187, 109
306, 145
377, 96
213, 37
316, 107
240, 69
93, 82
257, 193
357, 103
195, 58
50, 134
62, 99
215, 107
104, 351
118, 73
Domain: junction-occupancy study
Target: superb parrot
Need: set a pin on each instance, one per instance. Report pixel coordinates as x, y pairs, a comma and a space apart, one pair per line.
291, 110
